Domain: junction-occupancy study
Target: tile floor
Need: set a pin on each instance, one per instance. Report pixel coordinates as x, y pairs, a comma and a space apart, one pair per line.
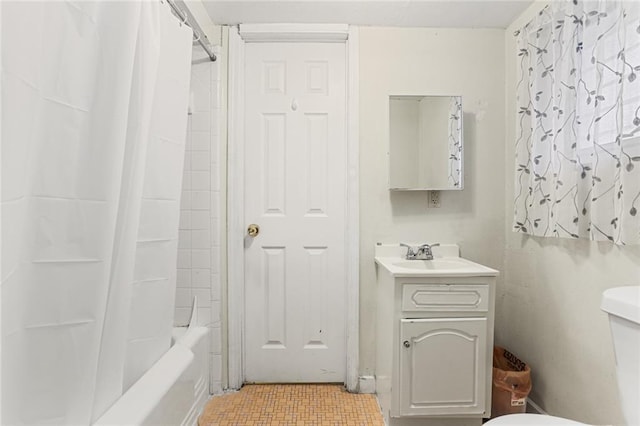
313, 405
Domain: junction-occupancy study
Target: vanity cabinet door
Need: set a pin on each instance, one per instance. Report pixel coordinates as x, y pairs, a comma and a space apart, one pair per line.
442, 366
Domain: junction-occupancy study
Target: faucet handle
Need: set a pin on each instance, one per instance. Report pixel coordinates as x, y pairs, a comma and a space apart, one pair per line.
410, 251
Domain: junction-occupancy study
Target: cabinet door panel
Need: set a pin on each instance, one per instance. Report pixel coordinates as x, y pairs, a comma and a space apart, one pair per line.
442, 362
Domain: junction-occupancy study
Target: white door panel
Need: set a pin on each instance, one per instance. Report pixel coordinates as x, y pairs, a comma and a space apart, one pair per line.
295, 190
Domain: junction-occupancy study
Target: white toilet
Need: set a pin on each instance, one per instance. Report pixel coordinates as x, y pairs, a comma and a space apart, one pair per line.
623, 306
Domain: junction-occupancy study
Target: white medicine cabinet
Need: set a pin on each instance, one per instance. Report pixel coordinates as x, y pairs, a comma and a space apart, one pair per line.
425, 143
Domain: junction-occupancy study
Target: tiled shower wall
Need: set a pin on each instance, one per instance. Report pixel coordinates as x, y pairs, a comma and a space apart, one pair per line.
199, 239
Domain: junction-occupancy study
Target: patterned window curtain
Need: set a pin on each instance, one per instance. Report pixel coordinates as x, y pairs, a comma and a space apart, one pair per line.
578, 122
455, 147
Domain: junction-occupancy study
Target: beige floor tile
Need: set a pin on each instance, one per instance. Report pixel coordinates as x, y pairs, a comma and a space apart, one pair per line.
284, 405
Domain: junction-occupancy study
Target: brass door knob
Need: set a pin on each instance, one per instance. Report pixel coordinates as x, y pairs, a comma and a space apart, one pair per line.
253, 230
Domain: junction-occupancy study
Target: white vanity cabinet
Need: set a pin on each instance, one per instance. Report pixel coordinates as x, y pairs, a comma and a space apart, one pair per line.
442, 360
434, 343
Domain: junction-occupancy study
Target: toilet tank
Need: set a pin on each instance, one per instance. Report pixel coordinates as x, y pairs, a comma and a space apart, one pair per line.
623, 306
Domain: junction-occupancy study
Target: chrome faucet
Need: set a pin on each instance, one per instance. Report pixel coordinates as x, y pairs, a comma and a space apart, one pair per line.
423, 252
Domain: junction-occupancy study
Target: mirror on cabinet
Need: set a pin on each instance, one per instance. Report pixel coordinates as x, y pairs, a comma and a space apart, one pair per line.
425, 138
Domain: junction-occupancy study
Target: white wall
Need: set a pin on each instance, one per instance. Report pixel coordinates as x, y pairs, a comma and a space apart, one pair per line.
548, 303
199, 243
465, 62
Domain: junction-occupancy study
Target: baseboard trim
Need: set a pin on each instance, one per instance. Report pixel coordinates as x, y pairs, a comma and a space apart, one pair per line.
366, 384
534, 408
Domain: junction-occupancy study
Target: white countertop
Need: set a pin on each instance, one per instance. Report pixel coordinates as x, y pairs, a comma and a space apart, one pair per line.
446, 263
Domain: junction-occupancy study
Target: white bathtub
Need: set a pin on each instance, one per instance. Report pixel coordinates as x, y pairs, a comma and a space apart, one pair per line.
173, 391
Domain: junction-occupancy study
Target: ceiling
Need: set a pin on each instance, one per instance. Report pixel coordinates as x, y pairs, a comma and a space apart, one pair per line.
397, 13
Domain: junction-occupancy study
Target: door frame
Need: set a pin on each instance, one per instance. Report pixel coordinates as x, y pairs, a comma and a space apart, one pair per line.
327, 33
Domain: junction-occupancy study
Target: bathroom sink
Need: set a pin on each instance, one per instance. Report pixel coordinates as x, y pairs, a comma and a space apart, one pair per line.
437, 263
446, 263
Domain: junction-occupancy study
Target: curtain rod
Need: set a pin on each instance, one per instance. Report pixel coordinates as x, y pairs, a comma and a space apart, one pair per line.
188, 19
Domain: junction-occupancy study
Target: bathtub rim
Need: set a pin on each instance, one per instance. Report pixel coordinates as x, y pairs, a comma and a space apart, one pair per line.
139, 401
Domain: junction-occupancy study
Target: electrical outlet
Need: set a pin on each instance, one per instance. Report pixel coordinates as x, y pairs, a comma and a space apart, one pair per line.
434, 199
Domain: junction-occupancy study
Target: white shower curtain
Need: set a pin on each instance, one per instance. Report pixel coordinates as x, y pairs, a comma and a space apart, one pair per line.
94, 103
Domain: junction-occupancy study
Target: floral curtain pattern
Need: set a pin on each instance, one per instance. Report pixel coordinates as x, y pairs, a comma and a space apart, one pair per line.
578, 122
454, 139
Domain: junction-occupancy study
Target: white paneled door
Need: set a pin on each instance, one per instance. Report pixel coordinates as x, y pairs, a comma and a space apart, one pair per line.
295, 192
